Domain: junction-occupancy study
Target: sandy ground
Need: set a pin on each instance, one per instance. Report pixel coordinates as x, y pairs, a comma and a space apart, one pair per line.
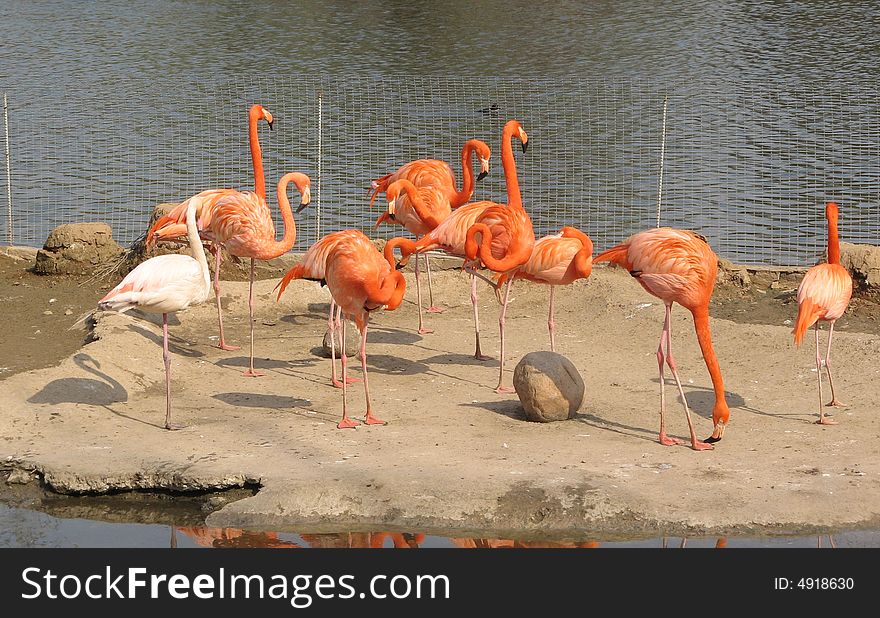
456, 456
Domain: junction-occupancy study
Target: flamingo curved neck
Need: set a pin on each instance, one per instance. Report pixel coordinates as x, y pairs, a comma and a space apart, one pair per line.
274, 248
467, 174
195, 242
256, 156
419, 204
508, 163
720, 412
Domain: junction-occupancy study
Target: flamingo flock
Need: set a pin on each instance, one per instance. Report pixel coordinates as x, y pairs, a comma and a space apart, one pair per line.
676, 266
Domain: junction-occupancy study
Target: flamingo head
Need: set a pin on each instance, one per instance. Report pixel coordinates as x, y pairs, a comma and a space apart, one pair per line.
261, 113
485, 154
393, 192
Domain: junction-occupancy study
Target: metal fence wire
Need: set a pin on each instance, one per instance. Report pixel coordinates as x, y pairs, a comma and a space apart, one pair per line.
749, 168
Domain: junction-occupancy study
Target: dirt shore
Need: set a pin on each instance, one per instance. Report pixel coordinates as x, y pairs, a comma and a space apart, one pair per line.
455, 455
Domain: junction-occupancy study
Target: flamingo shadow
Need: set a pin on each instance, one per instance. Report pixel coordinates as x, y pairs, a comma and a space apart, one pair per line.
459, 359
625, 430
394, 365
262, 400
701, 399
82, 390
176, 345
394, 336
259, 363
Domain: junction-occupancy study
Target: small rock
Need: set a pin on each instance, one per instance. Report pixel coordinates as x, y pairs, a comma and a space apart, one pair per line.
47, 312
52, 300
352, 342
19, 477
549, 386
269, 322
68, 312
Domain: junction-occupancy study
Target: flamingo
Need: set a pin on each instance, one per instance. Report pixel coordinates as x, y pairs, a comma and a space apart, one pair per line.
558, 259
360, 281
451, 234
506, 235
241, 222
165, 284
172, 225
677, 266
438, 175
824, 295
312, 267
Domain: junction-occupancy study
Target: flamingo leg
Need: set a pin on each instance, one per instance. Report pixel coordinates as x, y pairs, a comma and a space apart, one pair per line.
345, 423
336, 327
251, 372
823, 420
834, 401
217, 257
697, 445
551, 323
432, 308
369, 419
478, 354
166, 358
502, 319
665, 440
422, 329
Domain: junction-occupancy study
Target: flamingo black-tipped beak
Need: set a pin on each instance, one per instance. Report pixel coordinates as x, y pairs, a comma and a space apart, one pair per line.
525, 146
482, 175
270, 123
399, 266
302, 207
711, 440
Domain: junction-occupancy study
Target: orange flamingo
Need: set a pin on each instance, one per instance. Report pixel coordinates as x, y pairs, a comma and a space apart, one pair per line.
559, 259
165, 284
824, 295
172, 227
506, 235
450, 235
241, 222
438, 175
360, 281
312, 267
677, 266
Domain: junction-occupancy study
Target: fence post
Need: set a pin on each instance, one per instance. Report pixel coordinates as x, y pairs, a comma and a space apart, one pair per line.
320, 148
9, 236
662, 158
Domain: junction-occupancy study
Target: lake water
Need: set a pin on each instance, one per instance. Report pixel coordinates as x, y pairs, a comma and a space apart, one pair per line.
772, 110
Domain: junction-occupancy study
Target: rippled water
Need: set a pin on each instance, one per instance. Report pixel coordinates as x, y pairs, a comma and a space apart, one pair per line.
117, 106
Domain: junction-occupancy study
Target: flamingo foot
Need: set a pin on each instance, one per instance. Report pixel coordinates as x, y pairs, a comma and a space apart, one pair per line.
338, 384
824, 420
504, 390
435, 310
701, 446
347, 423
426, 331
482, 357
253, 373
667, 441
174, 426
369, 419
229, 348
835, 403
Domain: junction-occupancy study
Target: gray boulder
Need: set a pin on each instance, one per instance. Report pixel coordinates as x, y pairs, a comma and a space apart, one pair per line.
352, 342
549, 387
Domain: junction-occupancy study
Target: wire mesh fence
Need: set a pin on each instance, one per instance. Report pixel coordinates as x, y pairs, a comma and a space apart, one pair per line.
749, 168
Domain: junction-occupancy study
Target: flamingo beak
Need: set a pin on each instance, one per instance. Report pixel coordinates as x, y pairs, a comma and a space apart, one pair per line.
306, 198
525, 146
270, 123
484, 169
391, 208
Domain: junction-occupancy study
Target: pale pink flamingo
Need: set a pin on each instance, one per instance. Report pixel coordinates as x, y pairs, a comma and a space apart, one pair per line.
824, 295
165, 284
506, 235
451, 235
312, 267
559, 259
241, 222
438, 175
360, 280
677, 266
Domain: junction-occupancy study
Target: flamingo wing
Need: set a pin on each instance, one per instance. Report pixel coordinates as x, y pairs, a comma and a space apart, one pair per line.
165, 283
824, 294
